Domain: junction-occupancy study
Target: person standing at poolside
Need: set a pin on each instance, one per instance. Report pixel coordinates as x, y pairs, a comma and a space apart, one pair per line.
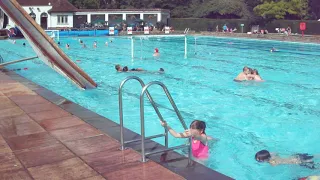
243, 76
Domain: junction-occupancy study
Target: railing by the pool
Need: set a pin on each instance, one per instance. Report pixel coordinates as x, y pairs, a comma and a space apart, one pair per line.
143, 138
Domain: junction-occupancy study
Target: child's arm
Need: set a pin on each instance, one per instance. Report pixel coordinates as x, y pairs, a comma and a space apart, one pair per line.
185, 134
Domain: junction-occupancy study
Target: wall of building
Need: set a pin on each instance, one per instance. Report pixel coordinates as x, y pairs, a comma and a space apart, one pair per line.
37, 10
54, 20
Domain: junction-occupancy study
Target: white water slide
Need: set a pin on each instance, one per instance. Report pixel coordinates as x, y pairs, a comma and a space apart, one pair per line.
44, 46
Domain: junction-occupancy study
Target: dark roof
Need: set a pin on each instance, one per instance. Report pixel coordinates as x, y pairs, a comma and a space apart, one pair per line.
112, 10
57, 5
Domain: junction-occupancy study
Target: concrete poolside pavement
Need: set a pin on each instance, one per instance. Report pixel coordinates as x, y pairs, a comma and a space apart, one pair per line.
39, 140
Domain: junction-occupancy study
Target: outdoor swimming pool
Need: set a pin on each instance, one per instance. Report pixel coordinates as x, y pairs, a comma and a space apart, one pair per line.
281, 114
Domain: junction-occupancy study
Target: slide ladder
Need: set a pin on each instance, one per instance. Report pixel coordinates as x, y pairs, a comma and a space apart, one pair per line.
45, 47
154, 105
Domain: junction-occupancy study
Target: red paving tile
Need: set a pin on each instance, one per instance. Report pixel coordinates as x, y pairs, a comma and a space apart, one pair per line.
24, 118
28, 99
95, 178
68, 169
92, 145
8, 162
75, 132
8, 128
32, 108
6, 103
43, 155
4, 147
143, 171
14, 89
59, 123
115, 160
30, 141
10, 112
15, 175
51, 114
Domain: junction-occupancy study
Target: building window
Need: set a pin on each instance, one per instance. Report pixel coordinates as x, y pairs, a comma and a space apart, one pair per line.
62, 19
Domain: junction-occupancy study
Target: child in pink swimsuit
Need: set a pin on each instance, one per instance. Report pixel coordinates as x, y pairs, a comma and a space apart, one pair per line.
199, 146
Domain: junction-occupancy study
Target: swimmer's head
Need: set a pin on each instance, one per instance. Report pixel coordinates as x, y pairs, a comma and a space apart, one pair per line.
125, 69
161, 69
197, 127
255, 72
59, 42
156, 50
118, 67
262, 156
24, 44
246, 70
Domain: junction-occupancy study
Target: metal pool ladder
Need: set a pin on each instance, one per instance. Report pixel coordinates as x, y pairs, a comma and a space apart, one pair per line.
143, 138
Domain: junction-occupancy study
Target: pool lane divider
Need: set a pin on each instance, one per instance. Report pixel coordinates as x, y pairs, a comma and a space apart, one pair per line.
46, 49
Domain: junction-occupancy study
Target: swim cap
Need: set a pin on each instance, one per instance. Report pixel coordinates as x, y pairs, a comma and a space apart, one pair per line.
156, 49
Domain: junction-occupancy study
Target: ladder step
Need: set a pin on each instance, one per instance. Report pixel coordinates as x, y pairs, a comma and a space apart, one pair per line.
168, 149
150, 137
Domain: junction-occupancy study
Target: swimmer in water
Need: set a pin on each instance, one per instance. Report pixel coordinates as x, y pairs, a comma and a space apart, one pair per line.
126, 69
156, 52
84, 45
59, 43
254, 75
243, 76
95, 44
106, 43
80, 41
273, 50
24, 44
67, 46
14, 41
305, 160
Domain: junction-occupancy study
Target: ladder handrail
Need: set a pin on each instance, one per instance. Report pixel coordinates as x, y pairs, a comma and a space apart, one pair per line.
121, 107
144, 90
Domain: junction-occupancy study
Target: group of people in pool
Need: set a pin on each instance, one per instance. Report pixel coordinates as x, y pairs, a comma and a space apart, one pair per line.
248, 74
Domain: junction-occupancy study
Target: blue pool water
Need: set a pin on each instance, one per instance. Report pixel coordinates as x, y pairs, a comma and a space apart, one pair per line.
281, 114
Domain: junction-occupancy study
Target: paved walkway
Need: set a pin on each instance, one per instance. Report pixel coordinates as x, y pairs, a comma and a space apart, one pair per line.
39, 140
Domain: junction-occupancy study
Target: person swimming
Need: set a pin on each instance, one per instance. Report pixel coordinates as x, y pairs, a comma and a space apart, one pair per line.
273, 49
305, 159
67, 46
126, 69
95, 44
106, 43
156, 52
243, 75
254, 75
23, 44
199, 145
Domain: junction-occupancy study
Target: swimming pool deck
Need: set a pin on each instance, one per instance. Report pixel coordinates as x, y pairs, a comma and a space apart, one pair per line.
45, 136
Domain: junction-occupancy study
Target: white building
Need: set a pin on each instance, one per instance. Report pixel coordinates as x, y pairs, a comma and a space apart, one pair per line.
51, 14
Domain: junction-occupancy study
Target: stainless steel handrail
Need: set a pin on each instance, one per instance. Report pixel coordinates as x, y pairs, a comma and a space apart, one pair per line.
121, 110
145, 90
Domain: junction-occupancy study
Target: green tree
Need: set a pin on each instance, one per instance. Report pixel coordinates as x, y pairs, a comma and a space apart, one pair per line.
289, 9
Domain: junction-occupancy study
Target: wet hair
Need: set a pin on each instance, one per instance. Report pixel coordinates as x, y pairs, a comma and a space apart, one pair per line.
161, 69
262, 156
117, 67
59, 42
245, 68
199, 125
125, 69
24, 44
255, 71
